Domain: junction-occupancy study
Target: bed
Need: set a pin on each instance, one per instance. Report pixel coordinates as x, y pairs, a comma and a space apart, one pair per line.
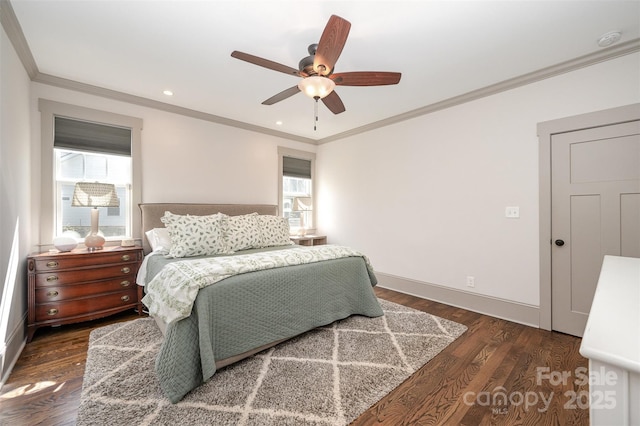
233, 316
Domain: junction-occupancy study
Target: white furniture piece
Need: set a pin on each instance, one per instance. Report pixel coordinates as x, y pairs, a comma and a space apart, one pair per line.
611, 342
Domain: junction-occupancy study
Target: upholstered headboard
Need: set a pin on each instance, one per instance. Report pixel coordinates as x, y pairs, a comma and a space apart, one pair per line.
152, 212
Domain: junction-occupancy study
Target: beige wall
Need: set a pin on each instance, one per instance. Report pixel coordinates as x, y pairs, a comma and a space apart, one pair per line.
426, 198
15, 208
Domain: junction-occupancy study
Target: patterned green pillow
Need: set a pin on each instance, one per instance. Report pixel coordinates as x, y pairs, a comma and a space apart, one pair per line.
275, 230
195, 235
243, 232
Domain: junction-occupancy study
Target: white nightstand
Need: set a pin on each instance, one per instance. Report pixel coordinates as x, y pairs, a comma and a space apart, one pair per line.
310, 240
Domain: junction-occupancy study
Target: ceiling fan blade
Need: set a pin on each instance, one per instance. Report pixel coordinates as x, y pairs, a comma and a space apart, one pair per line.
366, 78
334, 103
282, 95
265, 63
330, 45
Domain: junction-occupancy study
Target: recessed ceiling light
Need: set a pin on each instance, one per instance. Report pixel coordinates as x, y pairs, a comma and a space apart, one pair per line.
279, 123
168, 92
609, 38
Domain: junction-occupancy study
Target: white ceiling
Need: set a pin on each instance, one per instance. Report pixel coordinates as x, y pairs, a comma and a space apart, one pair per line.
442, 48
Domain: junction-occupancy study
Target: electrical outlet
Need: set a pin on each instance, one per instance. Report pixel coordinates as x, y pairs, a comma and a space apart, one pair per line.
512, 212
471, 281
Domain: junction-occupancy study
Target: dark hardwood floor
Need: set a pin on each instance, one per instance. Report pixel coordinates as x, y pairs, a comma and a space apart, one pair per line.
497, 373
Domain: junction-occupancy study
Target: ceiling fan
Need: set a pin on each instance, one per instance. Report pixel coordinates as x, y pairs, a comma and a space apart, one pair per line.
318, 79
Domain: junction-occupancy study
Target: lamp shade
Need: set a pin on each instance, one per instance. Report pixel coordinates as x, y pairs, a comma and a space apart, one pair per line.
95, 194
316, 86
302, 204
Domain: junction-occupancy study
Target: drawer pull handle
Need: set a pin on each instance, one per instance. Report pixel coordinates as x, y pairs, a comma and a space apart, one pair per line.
125, 283
52, 312
52, 293
126, 270
125, 298
52, 278
52, 264
126, 257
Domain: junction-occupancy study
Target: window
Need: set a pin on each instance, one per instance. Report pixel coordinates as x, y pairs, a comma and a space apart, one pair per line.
75, 166
91, 152
81, 144
297, 201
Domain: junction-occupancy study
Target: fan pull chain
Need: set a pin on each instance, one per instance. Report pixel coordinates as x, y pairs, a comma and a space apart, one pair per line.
315, 115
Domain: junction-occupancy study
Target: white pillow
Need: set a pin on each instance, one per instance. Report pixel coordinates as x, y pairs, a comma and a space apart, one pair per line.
159, 239
195, 235
243, 232
275, 230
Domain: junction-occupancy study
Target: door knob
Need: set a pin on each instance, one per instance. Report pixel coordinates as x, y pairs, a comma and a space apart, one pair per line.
559, 243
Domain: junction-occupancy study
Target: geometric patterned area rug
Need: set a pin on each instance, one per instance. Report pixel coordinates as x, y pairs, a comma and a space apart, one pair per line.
327, 376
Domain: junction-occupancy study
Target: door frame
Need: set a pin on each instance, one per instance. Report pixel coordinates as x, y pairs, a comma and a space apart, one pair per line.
546, 130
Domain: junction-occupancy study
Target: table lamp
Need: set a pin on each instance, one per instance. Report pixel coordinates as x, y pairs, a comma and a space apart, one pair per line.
302, 205
94, 194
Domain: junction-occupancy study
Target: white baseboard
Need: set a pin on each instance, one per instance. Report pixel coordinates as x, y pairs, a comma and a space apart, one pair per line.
15, 345
487, 305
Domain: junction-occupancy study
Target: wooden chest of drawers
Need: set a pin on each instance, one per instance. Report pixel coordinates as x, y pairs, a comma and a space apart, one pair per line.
80, 286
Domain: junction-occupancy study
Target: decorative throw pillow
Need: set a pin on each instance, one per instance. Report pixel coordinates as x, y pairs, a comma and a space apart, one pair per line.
243, 232
195, 235
275, 230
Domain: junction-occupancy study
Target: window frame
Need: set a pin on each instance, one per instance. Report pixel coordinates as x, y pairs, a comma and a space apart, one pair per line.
48, 111
303, 155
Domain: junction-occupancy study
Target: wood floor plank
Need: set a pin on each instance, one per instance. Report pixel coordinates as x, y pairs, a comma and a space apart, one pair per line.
517, 371
494, 355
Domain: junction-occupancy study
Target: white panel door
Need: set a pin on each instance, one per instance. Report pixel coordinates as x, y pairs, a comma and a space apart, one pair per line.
595, 196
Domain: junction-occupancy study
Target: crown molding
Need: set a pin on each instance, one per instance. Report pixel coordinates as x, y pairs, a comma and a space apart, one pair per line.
12, 27
612, 52
162, 106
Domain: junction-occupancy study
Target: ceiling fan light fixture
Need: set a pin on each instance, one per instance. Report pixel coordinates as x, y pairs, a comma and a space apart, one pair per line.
316, 87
